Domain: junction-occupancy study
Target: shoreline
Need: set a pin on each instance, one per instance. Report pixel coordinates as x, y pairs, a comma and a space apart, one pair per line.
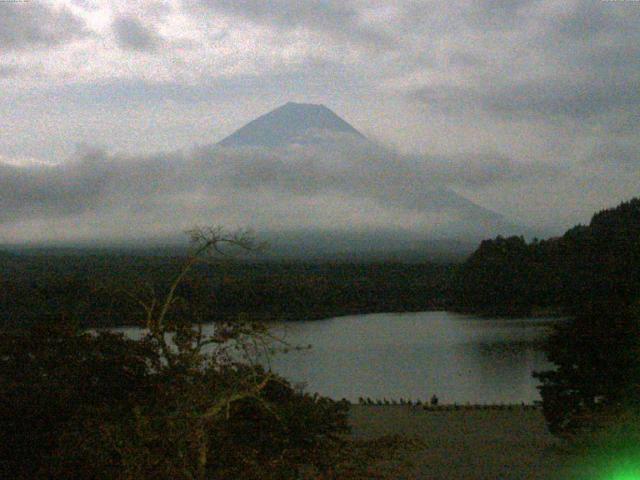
338, 314
449, 407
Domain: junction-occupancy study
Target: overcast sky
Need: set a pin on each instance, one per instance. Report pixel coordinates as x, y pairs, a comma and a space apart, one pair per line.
528, 108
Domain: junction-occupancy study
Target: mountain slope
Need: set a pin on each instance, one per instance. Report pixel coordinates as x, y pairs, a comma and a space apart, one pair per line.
293, 123
351, 166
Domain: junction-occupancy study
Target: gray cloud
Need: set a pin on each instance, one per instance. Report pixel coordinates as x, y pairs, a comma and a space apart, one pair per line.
301, 188
295, 80
490, 170
578, 62
505, 97
132, 34
498, 14
7, 71
576, 99
624, 154
339, 18
11, 70
586, 20
34, 24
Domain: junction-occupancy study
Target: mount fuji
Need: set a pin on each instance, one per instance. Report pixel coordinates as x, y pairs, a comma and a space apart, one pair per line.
365, 170
293, 123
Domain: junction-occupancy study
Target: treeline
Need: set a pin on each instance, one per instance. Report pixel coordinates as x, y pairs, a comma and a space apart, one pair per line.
95, 290
589, 265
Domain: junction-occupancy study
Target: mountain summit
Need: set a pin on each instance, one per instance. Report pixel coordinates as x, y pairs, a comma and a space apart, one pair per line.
293, 123
369, 174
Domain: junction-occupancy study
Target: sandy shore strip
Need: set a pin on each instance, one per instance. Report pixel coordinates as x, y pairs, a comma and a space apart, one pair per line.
469, 444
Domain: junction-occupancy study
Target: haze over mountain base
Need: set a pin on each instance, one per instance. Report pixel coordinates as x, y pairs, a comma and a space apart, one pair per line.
299, 176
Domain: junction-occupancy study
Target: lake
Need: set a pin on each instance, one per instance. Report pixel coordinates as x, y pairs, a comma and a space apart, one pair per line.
459, 358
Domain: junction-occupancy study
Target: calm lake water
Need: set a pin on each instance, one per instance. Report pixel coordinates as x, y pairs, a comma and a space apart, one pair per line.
459, 358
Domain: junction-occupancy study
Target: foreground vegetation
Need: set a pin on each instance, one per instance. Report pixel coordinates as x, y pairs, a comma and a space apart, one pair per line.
173, 405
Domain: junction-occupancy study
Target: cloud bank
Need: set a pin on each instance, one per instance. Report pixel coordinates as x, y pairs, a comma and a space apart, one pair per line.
37, 25
526, 107
353, 186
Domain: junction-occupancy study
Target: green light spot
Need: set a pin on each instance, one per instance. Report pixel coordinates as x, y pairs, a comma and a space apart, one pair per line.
634, 475
628, 470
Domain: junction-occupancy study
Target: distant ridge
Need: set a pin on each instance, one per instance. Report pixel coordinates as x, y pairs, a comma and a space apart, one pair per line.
292, 123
